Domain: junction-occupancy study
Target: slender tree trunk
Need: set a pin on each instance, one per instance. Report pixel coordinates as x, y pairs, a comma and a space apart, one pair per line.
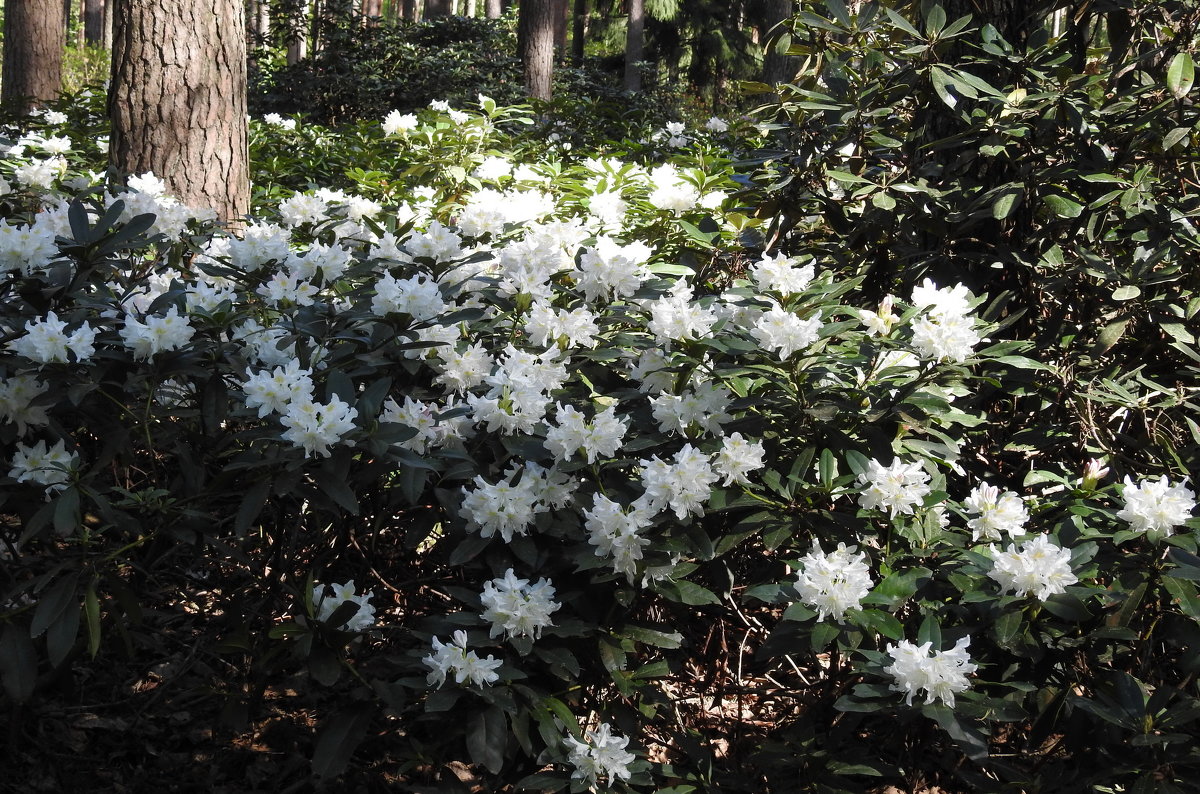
297, 32
562, 23
492, 9
470, 8
35, 34
93, 21
438, 8
777, 67
412, 10
578, 30
634, 44
535, 45
177, 102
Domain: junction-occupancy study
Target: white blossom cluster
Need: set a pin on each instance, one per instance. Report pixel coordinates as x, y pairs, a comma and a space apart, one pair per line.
898, 488
46, 341
834, 583
946, 330
50, 467
995, 513
940, 676
1156, 506
327, 599
454, 658
1039, 568
517, 608
601, 756
510, 505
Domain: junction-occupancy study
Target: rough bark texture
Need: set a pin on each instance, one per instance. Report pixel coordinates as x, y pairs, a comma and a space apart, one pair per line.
535, 45
178, 99
492, 9
35, 32
635, 34
777, 67
562, 23
93, 22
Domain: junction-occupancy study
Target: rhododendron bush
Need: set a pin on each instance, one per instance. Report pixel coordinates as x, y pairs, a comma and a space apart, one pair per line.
623, 492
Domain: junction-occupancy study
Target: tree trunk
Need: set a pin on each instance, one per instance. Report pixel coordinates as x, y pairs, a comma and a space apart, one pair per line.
562, 23
93, 22
35, 34
372, 11
535, 45
777, 67
470, 9
297, 31
492, 9
635, 44
177, 100
412, 10
438, 8
578, 31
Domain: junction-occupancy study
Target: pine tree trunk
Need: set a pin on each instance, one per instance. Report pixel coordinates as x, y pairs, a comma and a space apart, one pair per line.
372, 11
438, 8
412, 10
635, 44
492, 9
35, 34
177, 101
297, 27
535, 45
93, 22
777, 67
578, 31
562, 23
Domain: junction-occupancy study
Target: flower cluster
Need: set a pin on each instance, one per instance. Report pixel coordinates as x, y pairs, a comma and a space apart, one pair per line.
602, 756
453, 657
327, 599
834, 583
1039, 568
517, 608
946, 331
1156, 506
995, 513
898, 488
940, 676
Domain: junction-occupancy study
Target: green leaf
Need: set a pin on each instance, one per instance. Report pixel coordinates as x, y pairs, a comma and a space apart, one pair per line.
1127, 292
1180, 75
688, 593
91, 608
52, 603
339, 738
883, 201
649, 636
1007, 202
878, 621
487, 739
61, 636
935, 21
18, 663
1172, 138
1062, 206
251, 505
822, 635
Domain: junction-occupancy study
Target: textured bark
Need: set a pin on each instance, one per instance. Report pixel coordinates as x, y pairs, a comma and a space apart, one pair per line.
535, 45
578, 30
177, 101
35, 33
438, 8
492, 9
777, 67
93, 22
562, 23
635, 34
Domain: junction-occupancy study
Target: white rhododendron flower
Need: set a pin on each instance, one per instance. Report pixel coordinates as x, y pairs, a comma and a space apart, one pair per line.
995, 513
600, 438
615, 531
779, 273
834, 583
517, 608
396, 122
274, 391
940, 676
327, 599
453, 657
50, 467
46, 341
156, 334
898, 488
683, 486
1156, 506
737, 458
317, 426
1039, 568
17, 402
783, 332
601, 757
